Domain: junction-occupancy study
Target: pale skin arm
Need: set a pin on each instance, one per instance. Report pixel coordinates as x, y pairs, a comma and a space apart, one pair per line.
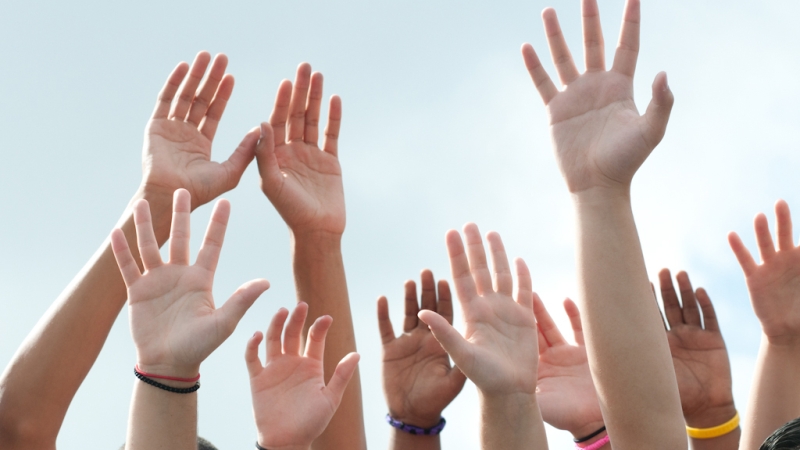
600, 141
38, 385
774, 287
304, 183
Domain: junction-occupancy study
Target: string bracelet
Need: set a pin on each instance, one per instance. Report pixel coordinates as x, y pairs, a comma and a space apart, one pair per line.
586, 438
411, 429
597, 445
719, 430
258, 447
166, 377
164, 387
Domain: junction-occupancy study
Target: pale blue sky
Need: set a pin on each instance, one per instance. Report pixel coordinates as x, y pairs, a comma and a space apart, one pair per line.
441, 126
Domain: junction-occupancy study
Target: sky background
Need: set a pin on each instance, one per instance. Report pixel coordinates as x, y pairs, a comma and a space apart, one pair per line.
441, 126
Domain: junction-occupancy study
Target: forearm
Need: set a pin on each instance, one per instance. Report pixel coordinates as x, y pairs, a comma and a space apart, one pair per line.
407, 441
627, 348
511, 422
320, 281
775, 395
161, 419
38, 385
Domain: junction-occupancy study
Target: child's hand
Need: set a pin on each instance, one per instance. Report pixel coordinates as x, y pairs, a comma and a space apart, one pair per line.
302, 180
600, 139
499, 350
177, 145
566, 392
698, 352
174, 322
291, 404
775, 284
417, 377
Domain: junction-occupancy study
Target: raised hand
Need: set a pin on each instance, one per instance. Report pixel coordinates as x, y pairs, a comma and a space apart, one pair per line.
702, 367
566, 392
174, 322
774, 285
418, 380
599, 136
291, 403
178, 137
302, 181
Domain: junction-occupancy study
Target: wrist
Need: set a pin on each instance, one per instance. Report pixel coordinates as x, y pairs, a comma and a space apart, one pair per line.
185, 373
587, 429
324, 238
603, 195
711, 417
264, 442
417, 421
518, 403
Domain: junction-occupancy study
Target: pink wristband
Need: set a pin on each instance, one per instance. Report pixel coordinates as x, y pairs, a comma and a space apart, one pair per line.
165, 377
595, 445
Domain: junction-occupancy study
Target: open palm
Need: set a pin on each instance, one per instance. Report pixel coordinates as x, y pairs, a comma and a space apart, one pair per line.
600, 138
302, 181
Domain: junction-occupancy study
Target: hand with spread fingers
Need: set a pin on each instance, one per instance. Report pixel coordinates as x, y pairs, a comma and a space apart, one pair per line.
291, 403
566, 392
302, 180
498, 350
599, 136
702, 367
178, 138
418, 380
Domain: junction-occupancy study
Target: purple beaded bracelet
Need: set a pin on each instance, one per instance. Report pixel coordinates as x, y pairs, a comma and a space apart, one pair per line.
411, 429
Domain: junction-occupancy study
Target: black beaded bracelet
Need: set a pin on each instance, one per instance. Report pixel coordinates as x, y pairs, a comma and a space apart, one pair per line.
419, 431
175, 390
586, 438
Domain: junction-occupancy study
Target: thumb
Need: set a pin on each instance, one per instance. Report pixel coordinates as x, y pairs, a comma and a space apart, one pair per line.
657, 114
265, 156
450, 340
233, 310
239, 160
341, 377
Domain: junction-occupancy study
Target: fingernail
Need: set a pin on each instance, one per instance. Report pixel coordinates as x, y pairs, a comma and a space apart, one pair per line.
666, 82
261, 127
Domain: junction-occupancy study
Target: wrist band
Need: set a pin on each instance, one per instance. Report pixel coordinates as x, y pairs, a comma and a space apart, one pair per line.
411, 429
165, 377
595, 445
720, 430
258, 447
164, 387
586, 438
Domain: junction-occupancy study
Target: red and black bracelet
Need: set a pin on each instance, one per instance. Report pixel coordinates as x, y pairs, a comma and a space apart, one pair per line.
164, 387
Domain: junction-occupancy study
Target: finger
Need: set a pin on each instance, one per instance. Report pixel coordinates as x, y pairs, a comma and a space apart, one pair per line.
447, 336
655, 119
709, 315
122, 253
541, 341
254, 366
315, 344
242, 299
280, 113
669, 297
628, 46
593, 45
210, 122
311, 134
691, 313
236, 164
181, 225
445, 305
743, 255
562, 57
764, 238
384, 322
503, 281
274, 332
784, 225
294, 330
297, 106
189, 88
332, 129
459, 267
478, 264
341, 377
547, 90
428, 296
208, 256
574, 315
525, 292
412, 308
169, 90
146, 238
546, 324
203, 99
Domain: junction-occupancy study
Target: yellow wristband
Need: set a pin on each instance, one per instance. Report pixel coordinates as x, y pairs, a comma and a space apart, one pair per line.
720, 430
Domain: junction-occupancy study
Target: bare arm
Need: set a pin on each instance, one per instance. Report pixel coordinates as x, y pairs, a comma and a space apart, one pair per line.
600, 141
42, 378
